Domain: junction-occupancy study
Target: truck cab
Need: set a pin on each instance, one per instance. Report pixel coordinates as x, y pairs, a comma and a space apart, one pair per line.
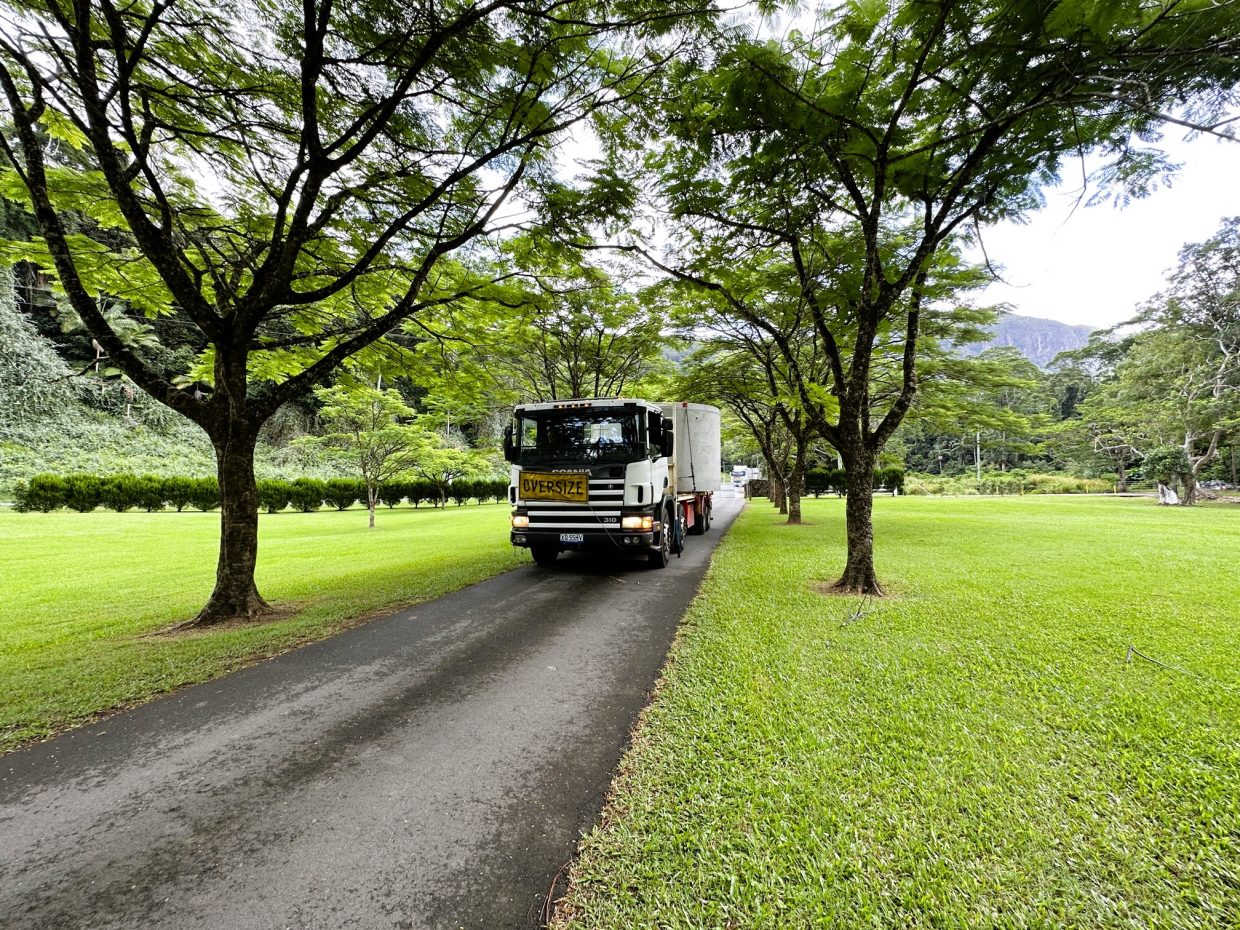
597, 474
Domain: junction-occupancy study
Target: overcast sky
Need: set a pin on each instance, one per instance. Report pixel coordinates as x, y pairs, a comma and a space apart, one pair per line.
1094, 265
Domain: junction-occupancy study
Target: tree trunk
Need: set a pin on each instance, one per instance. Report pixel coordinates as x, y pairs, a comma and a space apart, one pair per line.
1189, 481
779, 493
796, 481
235, 595
1197, 465
1121, 476
859, 576
372, 494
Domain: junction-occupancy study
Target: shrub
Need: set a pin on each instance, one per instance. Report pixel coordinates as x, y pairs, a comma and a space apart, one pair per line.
307, 494
205, 494
891, 478
1013, 482
83, 493
499, 490
43, 493
179, 492
118, 492
392, 493
818, 480
921, 485
343, 493
837, 481
1167, 464
462, 490
423, 490
149, 493
274, 494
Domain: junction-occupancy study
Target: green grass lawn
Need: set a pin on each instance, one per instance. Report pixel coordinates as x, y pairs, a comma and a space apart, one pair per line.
971, 752
81, 590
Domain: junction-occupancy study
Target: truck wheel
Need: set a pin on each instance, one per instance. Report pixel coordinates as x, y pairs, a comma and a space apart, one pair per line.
544, 555
702, 523
678, 537
661, 556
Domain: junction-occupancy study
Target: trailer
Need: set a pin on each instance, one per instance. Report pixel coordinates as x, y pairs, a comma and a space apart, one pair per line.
611, 474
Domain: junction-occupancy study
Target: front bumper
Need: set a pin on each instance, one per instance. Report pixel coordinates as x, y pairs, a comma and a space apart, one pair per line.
591, 540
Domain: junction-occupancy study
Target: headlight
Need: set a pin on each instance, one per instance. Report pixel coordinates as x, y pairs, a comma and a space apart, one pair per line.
520, 522
637, 523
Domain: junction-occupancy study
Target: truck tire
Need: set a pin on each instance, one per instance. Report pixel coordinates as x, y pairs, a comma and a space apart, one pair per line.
701, 524
544, 555
661, 556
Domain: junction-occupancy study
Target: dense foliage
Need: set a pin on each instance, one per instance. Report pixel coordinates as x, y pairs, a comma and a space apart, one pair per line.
1156, 398
120, 492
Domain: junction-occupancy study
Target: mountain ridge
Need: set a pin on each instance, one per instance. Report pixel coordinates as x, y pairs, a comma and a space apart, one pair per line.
1036, 338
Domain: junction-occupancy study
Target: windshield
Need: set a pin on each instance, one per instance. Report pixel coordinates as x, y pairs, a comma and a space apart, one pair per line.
579, 437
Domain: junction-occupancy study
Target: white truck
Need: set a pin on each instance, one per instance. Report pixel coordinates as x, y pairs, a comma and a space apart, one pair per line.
742, 474
611, 474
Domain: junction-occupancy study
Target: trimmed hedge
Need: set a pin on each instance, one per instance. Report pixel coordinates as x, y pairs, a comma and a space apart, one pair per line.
179, 492
307, 494
205, 494
274, 495
43, 493
1003, 483
343, 493
84, 493
819, 481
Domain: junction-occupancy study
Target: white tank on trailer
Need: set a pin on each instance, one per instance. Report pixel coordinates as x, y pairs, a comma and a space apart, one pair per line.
697, 448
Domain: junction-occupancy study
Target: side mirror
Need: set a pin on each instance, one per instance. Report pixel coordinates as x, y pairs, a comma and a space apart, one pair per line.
666, 444
510, 449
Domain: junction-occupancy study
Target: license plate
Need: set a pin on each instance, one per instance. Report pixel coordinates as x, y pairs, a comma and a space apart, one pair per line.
540, 486
572, 537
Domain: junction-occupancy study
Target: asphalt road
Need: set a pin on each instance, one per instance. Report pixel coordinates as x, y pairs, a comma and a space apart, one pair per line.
434, 768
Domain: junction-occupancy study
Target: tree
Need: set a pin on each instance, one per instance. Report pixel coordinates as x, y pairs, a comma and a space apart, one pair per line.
291, 183
1192, 357
740, 366
1104, 428
736, 380
441, 464
1171, 375
563, 328
1183, 393
364, 423
996, 399
859, 149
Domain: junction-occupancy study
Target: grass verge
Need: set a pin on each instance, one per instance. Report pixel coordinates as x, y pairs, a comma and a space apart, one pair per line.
82, 591
974, 752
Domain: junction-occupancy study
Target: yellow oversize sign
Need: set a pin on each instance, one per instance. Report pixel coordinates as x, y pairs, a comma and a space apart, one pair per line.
538, 486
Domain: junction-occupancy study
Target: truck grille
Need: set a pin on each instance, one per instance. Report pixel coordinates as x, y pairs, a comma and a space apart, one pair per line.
603, 511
